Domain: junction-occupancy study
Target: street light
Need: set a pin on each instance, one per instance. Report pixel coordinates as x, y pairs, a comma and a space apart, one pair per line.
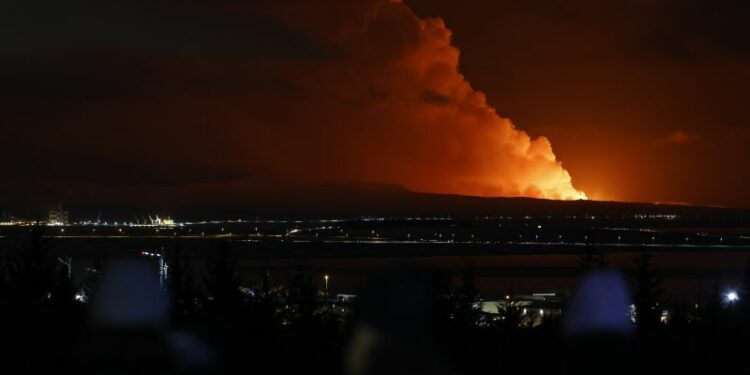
731, 296
326, 277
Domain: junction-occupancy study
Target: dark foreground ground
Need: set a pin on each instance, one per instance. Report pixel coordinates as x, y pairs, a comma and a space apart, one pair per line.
646, 290
410, 318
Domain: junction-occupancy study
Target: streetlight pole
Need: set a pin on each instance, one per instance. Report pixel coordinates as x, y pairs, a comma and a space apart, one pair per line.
325, 277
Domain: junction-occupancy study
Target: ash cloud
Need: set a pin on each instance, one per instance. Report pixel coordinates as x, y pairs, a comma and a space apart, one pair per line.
292, 90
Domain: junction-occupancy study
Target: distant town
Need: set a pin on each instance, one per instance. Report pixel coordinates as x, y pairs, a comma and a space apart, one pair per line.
520, 272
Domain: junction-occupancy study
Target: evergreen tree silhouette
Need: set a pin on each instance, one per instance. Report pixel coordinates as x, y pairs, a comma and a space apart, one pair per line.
465, 315
4, 290
679, 316
63, 293
744, 303
303, 301
442, 309
181, 285
34, 336
266, 301
68, 314
510, 315
222, 283
647, 291
32, 273
6, 314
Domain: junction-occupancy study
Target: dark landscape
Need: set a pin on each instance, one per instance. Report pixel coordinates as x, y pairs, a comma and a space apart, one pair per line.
374, 187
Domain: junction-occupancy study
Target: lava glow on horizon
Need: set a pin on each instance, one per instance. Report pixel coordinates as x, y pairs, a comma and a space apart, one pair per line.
398, 110
482, 154
320, 91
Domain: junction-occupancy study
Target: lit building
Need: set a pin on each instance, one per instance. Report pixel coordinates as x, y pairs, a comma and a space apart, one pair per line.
157, 221
57, 216
532, 308
7, 219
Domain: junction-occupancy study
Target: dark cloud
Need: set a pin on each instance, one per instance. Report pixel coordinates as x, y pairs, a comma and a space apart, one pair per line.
113, 95
50, 27
80, 50
165, 95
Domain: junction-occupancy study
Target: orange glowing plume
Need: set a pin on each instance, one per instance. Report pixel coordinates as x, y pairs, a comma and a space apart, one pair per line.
398, 110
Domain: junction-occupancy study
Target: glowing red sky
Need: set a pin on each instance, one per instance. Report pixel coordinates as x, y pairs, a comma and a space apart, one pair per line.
642, 100
493, 98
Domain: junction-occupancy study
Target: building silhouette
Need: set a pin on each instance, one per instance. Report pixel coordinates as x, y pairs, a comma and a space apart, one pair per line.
57, 215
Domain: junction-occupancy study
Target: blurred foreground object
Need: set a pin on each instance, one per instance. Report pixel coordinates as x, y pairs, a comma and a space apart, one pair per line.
392, 335
598, 334
599, 306
129, 331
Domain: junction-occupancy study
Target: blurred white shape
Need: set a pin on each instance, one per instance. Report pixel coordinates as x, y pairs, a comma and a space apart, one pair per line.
731, 296
130, 296
599, 305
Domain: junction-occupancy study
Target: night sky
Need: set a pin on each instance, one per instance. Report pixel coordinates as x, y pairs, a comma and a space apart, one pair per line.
110, 103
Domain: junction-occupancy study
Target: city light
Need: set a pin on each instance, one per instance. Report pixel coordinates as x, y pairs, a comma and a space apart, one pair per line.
731, 296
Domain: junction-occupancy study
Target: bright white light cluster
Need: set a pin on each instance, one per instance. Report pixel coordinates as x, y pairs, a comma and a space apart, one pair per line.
731, 296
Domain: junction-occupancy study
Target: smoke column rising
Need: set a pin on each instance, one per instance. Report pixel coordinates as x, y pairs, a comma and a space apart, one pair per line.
398, 83
164, 98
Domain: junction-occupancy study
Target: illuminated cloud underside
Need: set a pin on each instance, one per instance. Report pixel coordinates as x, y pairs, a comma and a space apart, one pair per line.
272, 94
400, 85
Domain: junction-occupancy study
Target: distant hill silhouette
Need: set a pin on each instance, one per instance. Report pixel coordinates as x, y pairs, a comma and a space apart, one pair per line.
362, 199
248, 199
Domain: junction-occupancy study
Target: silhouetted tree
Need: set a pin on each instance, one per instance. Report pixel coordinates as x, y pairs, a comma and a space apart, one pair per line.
68, 317
181, 285
745, 295
40, 314
266, 301
646, 289
303, 302
679, 316
63, 291
441, 300
3, 281
510, 314
31, 274
222, 283
464, 299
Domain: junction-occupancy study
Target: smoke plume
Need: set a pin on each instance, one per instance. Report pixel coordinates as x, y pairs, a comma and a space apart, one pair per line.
405, 114
111, 96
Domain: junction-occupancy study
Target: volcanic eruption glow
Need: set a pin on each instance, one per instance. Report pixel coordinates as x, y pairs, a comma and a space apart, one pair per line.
324, 90
430, 130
